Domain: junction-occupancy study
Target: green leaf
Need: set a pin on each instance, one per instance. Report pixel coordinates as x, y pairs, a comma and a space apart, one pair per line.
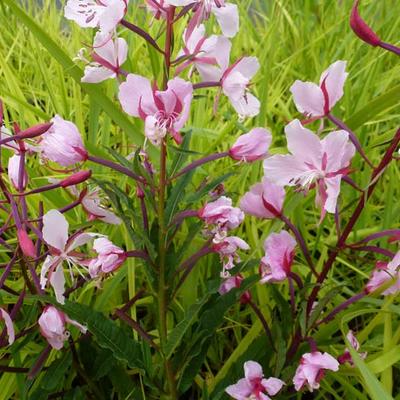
106, 332
94, 91
374, 108
179, 331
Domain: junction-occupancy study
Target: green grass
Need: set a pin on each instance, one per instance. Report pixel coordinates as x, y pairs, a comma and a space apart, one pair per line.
293, 39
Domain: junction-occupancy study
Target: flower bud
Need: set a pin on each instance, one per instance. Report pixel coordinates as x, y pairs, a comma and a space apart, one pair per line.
251, 146
76, 178
26, 243
361, 29
35, 130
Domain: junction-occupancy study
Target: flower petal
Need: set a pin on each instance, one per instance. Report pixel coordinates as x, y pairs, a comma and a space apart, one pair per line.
55, 229
308, 98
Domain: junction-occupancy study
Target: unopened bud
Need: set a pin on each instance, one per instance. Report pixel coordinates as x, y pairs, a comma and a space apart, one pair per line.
26, 243
75, 179
35, 130
361, 29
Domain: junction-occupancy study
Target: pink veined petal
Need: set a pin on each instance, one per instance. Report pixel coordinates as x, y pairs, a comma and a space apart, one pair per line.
247, 66
308, 98
47, 264
80, 240
57, 281
9, 326
97, 74
284, 170
246, 106
263, 396
112, 14
228, 18
336, 147
353, 340
273, 194
272, 385
101, 213
55, 229
103, 45
135, 91
335, 77
332, 191
196, 36
310, 374
252, 370
303, 143
122, 50
240, 390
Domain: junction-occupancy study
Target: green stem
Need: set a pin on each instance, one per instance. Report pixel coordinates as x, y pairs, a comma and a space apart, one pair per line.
162, 232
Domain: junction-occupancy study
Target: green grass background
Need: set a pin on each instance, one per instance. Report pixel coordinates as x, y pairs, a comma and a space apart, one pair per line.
293, 39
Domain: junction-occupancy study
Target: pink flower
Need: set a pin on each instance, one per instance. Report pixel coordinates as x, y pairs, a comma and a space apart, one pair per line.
235, 82
226, 14
105, 14
62, 143
61, 248
361, 29
312, 369
279, 254
233, 282
384, 273
9, 326
251, 146
206, 54
162, 111
13, 171
346, 356
313, 161
264, 200
227, 249
110, 257
317, 101
222, 214
52, 325
254, 385
109, 54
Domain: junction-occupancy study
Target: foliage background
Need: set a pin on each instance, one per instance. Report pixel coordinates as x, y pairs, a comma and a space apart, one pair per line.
294, 39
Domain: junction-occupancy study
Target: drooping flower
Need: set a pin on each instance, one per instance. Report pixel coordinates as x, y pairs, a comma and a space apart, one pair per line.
234, 282
52, 325
163, 111
9, 326
346, 356
62, 143
235, 84
384, 273
254, 385
226, 14
110, 257
251, 146
105, 14
312, 369
318, 100
206, 54
313, 161
61, 248
222, 215
264, 200
277, 263
108, 55
227, 249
